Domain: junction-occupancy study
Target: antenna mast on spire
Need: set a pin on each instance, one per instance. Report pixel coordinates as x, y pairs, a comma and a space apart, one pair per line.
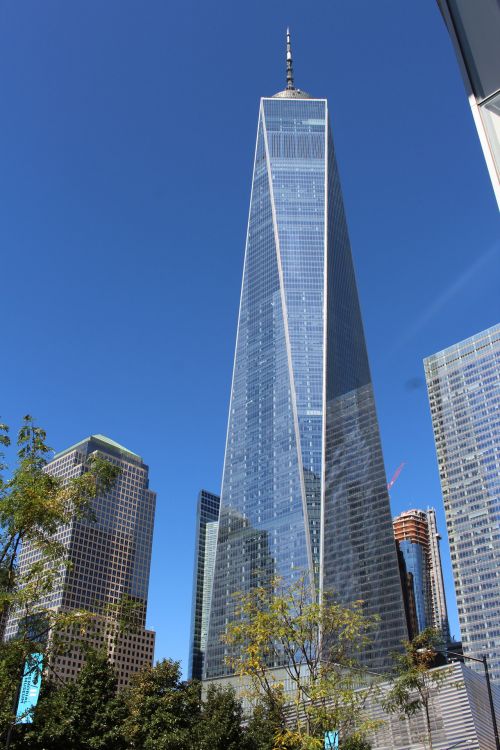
289, 68
291, 92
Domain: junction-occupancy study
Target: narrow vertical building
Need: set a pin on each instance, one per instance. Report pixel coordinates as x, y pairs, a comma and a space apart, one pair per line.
207, 524
417, 541
304, 486
110, 559
440, 619
463, 383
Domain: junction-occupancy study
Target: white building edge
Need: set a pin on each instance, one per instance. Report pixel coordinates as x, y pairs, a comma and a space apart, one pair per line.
473, 26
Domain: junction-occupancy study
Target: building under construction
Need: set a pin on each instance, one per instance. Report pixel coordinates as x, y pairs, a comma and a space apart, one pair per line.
417, 541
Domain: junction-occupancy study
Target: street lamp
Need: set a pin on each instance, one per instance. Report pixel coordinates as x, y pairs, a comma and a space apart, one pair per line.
488, 683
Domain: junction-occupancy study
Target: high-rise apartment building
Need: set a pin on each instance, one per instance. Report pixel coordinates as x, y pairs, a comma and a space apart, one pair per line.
110, 556
474, 28
304, 486
207, 524
417, 540
463, 382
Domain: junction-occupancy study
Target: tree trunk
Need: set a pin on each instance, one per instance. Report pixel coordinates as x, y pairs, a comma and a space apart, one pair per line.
428, 723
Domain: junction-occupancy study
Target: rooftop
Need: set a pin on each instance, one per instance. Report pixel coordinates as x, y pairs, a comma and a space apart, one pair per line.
100, 439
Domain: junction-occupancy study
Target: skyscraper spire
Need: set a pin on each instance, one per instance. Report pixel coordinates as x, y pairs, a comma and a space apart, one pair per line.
289, 68
290, 92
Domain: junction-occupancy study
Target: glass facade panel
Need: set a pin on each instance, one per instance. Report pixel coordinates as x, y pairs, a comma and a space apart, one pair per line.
359, 558
477, 25
296, 138
261, 524
415, 559
474, 27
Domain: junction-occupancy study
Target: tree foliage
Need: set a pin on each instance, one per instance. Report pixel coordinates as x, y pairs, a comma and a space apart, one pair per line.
221, 721
159, 710
84, 715
316, 645
162, 709
414, 681
34, 504
266, 722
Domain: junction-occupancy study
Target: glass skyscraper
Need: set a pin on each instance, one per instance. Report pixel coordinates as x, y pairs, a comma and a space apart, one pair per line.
304, 486
207, 524
463, 382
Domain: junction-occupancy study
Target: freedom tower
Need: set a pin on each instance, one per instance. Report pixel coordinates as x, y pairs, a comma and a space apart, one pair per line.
304, 486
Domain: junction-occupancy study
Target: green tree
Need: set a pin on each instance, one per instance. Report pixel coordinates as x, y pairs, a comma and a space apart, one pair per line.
316, 645
220, 726
415, 681
266, 722
354, 743
84, 715
33, 506
163, 711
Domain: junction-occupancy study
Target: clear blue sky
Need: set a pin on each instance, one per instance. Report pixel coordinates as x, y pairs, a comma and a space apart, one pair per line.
126, 144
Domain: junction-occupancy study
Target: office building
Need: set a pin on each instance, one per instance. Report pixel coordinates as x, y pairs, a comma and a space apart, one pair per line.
463, 383
304, 486
417, 541
474, 28
207, 524
110, 556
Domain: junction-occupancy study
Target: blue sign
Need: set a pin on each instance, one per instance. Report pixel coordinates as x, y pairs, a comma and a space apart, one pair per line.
30, 688
332, 740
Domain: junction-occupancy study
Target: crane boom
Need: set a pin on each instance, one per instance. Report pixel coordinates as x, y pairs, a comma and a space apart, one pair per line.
396, 475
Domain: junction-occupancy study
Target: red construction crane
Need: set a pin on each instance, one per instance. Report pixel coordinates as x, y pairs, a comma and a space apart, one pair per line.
396, 475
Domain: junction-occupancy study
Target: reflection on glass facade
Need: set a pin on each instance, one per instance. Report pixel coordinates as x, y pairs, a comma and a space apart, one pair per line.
301, 372
207, 524
463, 382
415, 562
110, 554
